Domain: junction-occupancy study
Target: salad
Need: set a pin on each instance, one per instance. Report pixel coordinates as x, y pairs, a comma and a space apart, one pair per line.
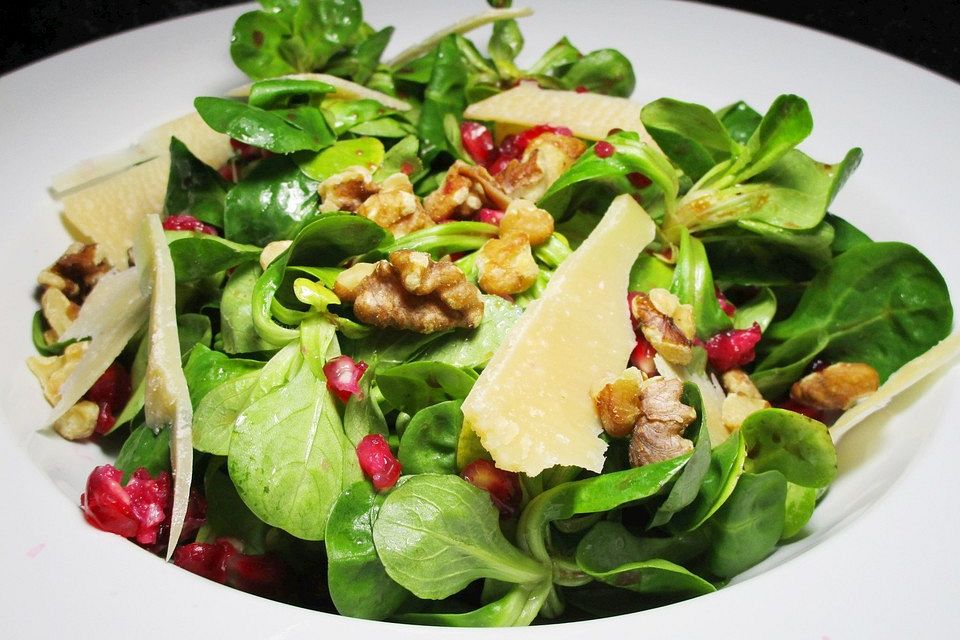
443, 340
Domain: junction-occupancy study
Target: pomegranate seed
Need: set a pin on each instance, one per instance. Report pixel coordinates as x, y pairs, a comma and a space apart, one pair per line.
642, 356
503, 486
110, 392
819, 364
477, 141
727, 306
205, 559
378, 462
406, 168
528, 136
490, 216
134, 511
603, 149
792, 405
343, 376
229, 172
262, 575
246, 151
614, 131
186, 222
733, 348
638, 180
582, 89
499, 164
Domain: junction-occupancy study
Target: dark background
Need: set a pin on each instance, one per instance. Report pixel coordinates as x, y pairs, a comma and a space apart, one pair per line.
925, 33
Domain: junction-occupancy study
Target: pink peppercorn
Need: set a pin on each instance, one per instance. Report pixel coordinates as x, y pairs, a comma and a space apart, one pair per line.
378, 462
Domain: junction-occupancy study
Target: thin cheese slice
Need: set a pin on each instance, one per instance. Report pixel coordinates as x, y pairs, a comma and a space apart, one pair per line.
533, 405
904, 378
108, 212
111, 315
345, 90
166, 398
589, 115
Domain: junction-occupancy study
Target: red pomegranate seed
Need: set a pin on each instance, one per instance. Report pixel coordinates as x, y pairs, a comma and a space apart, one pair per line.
503, 486
110, 392
378, 462
134, 511
819, 364
343, 376
499, 164
638, 180
186, 222
477, 141
642, 356
262, 575
733, 348
582, 89
603, 149
406, 168
614, 130
246, 151
727, 306
526, 137
206, 559
490, 216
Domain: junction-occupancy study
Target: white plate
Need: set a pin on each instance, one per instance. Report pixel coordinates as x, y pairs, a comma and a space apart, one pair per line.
880, 561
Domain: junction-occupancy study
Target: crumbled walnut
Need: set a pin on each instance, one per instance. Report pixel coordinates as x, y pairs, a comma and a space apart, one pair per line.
838, 386
79, 421
739, 382
544, 160
465, 190
53, 371
658, 434
347, 285
272, 251
506, 265
412, 291
75, 273
618, 403
346, 190
395, 207
58, 311
522, 216
666, 324
743, 398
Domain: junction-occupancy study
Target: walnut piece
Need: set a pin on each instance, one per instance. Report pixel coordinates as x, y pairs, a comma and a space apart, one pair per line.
395, 207
79, 421
618, 403
53, 371
59, 312
666, 324
743, 398
506, 265
658, 434
412, 291
522, 216
347, 285
543, 161
76, 272
465, 190
836, 387
346, 190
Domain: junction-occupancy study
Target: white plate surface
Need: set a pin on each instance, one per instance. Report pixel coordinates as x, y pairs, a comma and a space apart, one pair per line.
880, 560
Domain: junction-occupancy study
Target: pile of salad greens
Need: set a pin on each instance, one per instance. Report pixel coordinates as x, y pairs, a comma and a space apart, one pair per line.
739, 210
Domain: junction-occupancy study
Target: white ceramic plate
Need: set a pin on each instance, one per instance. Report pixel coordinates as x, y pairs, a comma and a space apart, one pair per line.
880, 560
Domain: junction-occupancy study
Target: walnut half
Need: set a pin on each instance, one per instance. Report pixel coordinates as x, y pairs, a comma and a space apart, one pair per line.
412, 291
658, 434
837, 387
666, 324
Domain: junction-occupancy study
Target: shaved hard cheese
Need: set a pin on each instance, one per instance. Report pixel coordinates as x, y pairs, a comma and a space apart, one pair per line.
210, 146
345, 90
901, 380
108, 211
112, 314
462, 26
589, 115
166, 398
533, 405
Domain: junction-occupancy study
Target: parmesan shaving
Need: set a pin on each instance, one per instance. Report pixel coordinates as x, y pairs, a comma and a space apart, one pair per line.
589, 115
901, 380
